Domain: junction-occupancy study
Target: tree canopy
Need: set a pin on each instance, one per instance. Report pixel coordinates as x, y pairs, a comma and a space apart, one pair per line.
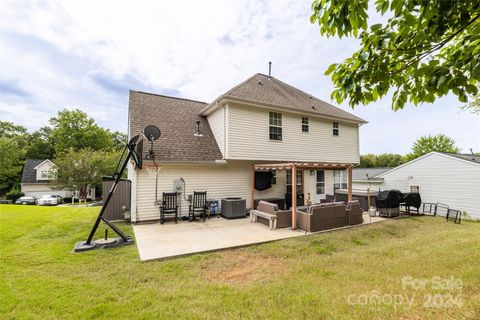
82, 169
381, 160
425, 50
75, 129
426, 144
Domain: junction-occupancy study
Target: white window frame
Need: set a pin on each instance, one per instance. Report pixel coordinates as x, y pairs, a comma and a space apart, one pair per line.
340, 180
275, 122
305, 125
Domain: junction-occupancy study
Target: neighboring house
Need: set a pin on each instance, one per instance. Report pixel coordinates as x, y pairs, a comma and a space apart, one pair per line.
364, 178
36, 177
449, 178
262, 120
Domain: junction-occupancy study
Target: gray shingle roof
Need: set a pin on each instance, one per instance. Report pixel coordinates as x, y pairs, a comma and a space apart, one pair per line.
468, 157
263, 89
176, 119
361, 173
29, 174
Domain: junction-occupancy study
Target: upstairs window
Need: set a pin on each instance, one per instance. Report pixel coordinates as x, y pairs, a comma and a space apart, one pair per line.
45, 175
275, 126
415, 189
305, 127
335, 129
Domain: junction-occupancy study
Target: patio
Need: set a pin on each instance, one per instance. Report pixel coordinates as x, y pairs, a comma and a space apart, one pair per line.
156, 241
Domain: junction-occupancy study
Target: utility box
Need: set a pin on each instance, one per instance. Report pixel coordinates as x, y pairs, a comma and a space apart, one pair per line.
178, 186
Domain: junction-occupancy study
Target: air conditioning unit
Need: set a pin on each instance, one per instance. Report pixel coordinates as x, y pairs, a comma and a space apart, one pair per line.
234, 208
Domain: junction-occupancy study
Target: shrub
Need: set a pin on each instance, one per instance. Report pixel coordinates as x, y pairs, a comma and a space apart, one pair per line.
14, 194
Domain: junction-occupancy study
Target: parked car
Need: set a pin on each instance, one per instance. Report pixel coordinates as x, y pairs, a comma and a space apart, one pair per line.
59, 198
47, 200
26, 200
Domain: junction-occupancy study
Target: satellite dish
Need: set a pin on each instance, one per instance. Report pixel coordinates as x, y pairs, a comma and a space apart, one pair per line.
151, 132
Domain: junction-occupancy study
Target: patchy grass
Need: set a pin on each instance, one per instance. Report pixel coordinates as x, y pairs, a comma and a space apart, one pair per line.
311, 277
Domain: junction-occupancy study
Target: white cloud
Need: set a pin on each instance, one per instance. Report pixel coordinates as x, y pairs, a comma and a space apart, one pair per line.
87, 54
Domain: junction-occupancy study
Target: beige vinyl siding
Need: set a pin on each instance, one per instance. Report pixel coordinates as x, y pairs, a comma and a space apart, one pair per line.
219, 180
248, 138
216, 120
441, 178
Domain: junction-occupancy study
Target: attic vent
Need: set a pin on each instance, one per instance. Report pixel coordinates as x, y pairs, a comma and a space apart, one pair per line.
310, 97
259, 82
314, 108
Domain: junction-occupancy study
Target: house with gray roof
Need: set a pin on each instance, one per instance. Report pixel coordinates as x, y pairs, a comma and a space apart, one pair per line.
449, 178
212, 146
36, 177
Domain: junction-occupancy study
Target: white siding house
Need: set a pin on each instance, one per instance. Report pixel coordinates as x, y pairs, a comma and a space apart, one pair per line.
235, 133
451, 179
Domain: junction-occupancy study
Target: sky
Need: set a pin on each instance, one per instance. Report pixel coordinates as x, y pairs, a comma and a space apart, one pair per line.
89, 54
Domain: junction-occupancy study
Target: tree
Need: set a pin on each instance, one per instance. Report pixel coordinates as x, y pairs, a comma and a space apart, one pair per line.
80, 170
11, 162
426, 144
13, 131
75, 129
474, 105
41, 144
425, 50
381, 160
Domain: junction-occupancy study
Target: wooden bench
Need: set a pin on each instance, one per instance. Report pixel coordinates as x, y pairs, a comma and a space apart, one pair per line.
272, 218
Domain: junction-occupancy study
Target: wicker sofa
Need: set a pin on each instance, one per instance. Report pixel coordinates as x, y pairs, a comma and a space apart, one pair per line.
329, 216
354, 213
283, 217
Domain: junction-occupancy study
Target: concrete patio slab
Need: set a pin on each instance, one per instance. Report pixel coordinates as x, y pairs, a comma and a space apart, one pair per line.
156, 241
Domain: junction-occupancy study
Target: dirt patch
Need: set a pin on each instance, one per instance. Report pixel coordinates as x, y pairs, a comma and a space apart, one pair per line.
242, 267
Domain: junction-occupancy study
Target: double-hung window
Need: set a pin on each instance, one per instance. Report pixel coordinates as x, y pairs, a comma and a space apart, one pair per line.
305, 126
335, 129
340, 179
275, 126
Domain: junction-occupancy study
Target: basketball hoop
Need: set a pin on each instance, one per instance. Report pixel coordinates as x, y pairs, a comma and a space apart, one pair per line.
152, 171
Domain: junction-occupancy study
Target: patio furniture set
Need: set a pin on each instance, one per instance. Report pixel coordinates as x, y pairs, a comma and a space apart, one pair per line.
312, 218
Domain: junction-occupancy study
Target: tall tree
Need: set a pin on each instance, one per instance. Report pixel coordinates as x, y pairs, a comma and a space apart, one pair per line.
13, 131
426, 144
79, 170
75, 129
41, 144
11, 162
426, 49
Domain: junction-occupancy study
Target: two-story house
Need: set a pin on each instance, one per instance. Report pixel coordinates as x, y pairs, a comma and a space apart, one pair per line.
260, 121
36, 177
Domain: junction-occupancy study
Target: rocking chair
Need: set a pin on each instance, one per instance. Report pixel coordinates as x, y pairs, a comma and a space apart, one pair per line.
169, 206
198, 205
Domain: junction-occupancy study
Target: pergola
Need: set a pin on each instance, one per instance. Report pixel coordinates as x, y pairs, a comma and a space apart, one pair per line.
294, 166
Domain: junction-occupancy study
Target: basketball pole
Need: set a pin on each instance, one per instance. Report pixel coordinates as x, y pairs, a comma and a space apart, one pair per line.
130, 146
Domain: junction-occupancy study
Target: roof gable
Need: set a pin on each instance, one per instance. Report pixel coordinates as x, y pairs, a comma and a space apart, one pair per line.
44, 162
262, 89
176, 119
29, 173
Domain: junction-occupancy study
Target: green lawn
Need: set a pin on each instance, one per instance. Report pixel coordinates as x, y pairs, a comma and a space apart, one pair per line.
308, 277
